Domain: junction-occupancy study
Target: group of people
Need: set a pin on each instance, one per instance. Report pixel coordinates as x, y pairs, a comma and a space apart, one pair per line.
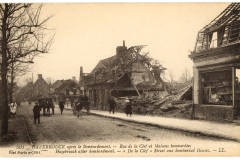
112, 105
83, 102
37, 110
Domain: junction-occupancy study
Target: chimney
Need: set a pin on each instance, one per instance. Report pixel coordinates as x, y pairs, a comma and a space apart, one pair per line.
74, 78
121, 50
39, 76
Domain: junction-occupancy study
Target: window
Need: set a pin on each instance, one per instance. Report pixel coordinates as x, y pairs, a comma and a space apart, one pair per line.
217, 87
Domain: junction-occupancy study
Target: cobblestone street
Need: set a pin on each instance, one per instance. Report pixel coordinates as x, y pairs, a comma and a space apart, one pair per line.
67, 128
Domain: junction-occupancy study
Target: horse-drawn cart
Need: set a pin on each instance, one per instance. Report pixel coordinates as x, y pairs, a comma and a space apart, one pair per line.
46, 103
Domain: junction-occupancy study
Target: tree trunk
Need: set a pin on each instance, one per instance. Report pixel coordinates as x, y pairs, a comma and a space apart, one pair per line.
11, 83
4, 128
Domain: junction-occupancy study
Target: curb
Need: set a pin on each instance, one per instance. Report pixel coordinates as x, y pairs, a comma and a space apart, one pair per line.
28, 134
173, 128
170, 128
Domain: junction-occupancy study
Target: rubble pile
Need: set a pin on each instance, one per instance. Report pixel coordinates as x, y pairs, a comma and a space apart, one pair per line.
161, 104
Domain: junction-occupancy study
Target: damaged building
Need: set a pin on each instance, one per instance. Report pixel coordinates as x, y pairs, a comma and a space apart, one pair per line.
216, 68
128, 73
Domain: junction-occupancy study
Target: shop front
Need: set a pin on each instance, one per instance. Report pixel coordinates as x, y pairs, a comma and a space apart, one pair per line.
217, 84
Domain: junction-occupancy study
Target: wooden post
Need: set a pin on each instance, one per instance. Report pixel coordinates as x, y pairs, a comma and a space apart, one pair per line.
234, 91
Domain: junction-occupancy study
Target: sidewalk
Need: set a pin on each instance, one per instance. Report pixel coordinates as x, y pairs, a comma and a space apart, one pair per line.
17, 132
230, 131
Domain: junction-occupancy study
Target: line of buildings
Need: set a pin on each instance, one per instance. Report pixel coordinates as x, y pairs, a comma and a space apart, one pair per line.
127, 73
216, 72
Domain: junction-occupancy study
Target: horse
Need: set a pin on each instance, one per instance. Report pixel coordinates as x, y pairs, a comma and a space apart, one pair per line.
46, 103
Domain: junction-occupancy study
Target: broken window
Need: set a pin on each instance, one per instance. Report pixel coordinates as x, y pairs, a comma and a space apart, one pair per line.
234, 33
225, 35
214, 40
217, 87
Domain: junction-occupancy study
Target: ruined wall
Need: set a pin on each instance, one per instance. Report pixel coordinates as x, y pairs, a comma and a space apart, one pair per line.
124, 81
214, 112
145, 76
196, 88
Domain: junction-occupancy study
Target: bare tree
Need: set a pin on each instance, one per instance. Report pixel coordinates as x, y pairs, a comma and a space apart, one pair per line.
186, 75
15, 70
171, 75
23, 37
27, 80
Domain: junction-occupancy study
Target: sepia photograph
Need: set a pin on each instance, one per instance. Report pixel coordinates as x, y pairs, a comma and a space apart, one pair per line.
120, 79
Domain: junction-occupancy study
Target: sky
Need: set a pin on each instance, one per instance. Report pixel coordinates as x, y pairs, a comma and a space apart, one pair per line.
88, 32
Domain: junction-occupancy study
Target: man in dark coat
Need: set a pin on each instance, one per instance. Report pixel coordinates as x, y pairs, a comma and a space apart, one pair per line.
86, 103
36, 112
79, 107
112, 105
61, 105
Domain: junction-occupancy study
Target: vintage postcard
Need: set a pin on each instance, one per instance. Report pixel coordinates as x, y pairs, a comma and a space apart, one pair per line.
120, 79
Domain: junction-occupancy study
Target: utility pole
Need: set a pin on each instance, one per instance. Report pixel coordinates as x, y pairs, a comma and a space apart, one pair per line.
32, 88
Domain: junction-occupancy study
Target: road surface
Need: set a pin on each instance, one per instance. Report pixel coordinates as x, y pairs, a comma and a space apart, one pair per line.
67, 128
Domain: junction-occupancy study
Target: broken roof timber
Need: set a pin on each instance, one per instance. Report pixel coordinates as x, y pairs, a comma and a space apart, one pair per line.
232, 12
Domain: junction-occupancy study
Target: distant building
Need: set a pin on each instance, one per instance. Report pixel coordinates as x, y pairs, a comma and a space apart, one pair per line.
25, 92
63, 89
33, 91
216, 68
40, 87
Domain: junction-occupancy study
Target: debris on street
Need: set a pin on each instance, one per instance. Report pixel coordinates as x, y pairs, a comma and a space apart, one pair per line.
161, 103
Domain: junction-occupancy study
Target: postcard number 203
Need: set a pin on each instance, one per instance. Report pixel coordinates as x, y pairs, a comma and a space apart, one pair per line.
20, 147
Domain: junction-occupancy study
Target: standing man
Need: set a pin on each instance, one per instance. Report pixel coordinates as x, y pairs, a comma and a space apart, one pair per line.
85, 103
36, 112
112, 105
79, 107
61, 105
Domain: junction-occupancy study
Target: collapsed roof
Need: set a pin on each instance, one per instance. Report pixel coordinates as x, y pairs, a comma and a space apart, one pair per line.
227, 28
111, 69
